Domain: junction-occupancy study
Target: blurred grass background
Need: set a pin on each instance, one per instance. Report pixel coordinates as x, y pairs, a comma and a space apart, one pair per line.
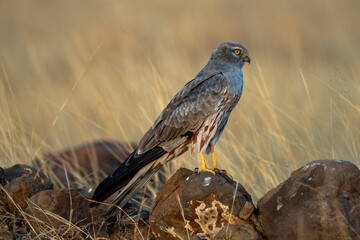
75, 71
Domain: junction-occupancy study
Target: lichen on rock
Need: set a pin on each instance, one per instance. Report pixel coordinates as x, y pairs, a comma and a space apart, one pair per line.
199, 206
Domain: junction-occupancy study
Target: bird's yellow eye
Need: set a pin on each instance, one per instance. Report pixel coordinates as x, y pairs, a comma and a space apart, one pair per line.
237, 51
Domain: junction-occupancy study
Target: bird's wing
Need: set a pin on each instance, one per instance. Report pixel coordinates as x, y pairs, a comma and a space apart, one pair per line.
186, 113
182, 118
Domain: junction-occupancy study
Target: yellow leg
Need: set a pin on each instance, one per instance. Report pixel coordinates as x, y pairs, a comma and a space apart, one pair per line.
215, 169
213, 156
204, 168
203, 161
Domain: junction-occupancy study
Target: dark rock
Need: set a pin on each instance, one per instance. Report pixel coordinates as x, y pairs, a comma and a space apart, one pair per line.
100, 157
2, 177
198, 206
17, 192
22, 170
68, 204
3, 207
22, 182
94, 161
319, 201
236, 232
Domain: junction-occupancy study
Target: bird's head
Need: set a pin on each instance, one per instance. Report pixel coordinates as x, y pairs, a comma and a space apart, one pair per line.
232, 53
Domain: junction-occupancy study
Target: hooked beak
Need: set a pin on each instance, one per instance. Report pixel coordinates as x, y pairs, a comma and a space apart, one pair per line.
246, 58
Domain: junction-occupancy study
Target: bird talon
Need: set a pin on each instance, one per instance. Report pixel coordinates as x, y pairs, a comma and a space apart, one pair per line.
218, 170
222, 172
201, 170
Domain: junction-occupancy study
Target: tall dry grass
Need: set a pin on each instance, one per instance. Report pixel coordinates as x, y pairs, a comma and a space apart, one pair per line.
76, 71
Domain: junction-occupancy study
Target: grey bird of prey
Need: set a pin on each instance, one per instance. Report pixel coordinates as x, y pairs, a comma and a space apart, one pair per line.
194, 119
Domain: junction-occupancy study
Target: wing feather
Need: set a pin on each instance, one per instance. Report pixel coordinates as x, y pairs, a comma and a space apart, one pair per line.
186, 112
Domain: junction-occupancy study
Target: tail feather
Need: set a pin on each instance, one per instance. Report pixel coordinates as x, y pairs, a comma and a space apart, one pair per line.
125, 173
132, 187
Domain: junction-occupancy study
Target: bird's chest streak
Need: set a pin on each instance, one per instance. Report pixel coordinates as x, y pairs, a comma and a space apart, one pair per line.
215, 123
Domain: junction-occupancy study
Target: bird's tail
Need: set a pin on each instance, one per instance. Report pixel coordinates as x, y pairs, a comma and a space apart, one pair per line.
132, 174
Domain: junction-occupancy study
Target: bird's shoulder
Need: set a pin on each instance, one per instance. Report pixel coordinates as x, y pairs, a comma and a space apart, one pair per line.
195, 91
186, 110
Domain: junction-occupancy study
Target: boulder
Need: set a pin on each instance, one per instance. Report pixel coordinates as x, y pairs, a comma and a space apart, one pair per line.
237, 232
82, 161
198, 206
2, 177
94, 161
319, 201
21, 183
22, 170
59, 207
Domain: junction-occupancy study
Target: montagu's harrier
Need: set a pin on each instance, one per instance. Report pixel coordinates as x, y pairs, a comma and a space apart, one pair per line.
194, 119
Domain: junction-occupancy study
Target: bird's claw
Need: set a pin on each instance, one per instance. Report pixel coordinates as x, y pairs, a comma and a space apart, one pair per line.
213, 171
201, 170
222, 172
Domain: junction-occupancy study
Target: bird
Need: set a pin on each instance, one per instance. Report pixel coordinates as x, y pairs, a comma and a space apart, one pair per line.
193, 120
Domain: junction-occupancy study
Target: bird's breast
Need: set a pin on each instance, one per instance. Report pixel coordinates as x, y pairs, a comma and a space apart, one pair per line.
236, 81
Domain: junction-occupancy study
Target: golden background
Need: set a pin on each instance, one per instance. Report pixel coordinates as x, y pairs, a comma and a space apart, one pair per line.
75, 71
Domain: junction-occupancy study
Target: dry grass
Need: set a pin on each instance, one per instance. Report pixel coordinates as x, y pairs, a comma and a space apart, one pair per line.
72, 72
